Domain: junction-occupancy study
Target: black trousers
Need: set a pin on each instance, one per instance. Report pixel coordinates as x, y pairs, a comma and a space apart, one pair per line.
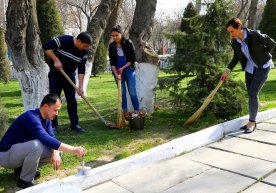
254, 84
57, 83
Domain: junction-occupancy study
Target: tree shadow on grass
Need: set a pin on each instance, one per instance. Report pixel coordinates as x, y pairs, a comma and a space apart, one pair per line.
11, 93
13, 105
7, 180
268, 91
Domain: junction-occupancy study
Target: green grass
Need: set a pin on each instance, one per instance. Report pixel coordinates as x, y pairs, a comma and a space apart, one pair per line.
105, 145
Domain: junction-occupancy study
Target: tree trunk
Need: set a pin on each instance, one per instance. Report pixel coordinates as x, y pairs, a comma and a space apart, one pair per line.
96, 29
141, 30
252, 14
148, 68
241, 13
111, 22
23, 39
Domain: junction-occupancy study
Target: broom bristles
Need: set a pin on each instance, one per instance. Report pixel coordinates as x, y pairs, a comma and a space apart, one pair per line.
121, 121
206, 102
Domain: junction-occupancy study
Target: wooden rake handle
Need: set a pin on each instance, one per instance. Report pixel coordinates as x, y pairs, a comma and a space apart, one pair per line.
82, 96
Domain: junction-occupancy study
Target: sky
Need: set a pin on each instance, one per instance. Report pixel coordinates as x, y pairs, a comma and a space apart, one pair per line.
171, 5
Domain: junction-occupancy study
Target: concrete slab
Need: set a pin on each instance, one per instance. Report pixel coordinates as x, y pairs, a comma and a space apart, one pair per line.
248, 166
160, 176
267, 126
197, 139
271, 179
271, 120
107, 187
247, 147
259, 135
260, 188
213, 180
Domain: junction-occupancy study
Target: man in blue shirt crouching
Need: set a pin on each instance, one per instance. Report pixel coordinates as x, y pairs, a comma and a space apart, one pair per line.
30, 142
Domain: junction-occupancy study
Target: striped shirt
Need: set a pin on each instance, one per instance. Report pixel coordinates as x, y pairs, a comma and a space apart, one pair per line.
69, 55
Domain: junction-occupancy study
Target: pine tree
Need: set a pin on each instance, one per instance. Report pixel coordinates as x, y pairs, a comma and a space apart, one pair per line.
5, 68
3, 119
5, 71
268, 22
49, 20
206, 51
100, 61
189, 12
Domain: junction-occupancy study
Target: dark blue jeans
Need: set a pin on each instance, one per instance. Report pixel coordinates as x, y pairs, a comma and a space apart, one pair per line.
128, 78
57, 83
254, 84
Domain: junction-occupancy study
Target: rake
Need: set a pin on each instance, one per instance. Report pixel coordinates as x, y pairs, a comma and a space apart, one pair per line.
107, 123
206, 102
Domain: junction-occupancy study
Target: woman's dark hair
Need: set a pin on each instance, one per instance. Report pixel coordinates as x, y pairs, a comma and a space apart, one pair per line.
235, 23
50, 99
85, 37
116, 28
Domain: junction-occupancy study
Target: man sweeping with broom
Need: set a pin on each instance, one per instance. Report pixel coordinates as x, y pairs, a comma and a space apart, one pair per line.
253, 50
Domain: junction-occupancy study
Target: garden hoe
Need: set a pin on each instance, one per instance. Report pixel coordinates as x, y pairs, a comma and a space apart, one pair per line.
121, 121
198, 113
107, 123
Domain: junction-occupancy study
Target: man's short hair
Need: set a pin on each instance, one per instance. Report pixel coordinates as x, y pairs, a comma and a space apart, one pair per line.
235, 23
50, 99
85, 37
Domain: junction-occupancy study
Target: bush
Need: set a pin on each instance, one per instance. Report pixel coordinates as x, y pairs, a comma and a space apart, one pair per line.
229, 100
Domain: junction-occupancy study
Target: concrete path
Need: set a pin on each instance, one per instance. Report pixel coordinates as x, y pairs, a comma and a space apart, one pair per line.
240, 163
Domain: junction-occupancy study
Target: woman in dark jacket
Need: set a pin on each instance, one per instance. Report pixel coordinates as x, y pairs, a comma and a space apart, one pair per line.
253, 50
122, 58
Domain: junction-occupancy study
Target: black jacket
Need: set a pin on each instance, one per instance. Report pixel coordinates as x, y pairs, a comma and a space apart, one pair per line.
128, 49
260, 47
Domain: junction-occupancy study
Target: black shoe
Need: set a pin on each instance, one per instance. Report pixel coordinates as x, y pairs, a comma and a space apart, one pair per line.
250, 129
243, 127
23, 184
77, 128
17, 172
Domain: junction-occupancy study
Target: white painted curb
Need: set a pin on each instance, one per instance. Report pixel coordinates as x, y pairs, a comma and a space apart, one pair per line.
161, 152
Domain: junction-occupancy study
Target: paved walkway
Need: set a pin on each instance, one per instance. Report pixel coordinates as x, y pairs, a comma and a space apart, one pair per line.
240, 163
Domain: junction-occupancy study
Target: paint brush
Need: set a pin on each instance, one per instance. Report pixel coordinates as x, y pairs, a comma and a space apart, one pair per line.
83, 163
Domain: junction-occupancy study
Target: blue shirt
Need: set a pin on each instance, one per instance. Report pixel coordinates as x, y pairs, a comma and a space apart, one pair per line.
30, 126
121, 60
68, 54
250, 65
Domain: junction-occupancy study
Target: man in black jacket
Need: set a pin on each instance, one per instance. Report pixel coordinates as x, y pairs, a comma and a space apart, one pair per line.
253, 50
69, 53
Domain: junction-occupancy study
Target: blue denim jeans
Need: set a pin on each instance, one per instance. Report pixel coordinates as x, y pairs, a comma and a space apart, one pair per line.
128, 78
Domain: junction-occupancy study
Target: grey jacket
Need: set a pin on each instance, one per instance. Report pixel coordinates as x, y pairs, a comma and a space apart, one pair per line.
260, 48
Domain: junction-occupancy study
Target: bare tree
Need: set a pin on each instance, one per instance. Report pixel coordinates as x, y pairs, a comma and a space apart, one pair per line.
126, 14
111, 22
98, 24
242, 6
252, 14
3, 7
79, 13
23, 39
